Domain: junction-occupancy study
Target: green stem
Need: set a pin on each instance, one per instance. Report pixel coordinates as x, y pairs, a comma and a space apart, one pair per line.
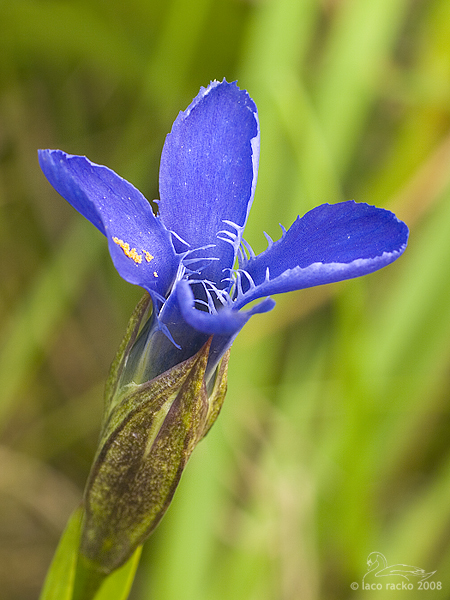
88, 580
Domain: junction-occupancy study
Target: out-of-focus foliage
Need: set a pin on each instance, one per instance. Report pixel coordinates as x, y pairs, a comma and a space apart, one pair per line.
334, 441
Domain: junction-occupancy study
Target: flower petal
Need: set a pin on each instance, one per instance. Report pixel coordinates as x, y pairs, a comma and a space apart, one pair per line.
139, 244
208, 173
330, 243
225, 322
180, 330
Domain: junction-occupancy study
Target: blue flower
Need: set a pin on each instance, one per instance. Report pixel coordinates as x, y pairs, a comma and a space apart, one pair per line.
168, 381
191, 257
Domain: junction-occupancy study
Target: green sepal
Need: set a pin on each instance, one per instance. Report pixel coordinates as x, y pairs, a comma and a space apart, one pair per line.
134, 325
146, 442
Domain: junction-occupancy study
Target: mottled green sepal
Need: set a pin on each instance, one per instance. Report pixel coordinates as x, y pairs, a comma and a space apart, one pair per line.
217, 396
145, 446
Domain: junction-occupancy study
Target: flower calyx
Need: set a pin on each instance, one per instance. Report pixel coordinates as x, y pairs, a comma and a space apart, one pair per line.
148, 436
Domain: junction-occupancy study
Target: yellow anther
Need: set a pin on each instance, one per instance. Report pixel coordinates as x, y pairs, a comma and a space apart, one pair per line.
130, 252
155, 273
148, 256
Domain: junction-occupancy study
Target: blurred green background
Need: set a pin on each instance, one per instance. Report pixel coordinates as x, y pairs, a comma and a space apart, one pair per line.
334, 441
